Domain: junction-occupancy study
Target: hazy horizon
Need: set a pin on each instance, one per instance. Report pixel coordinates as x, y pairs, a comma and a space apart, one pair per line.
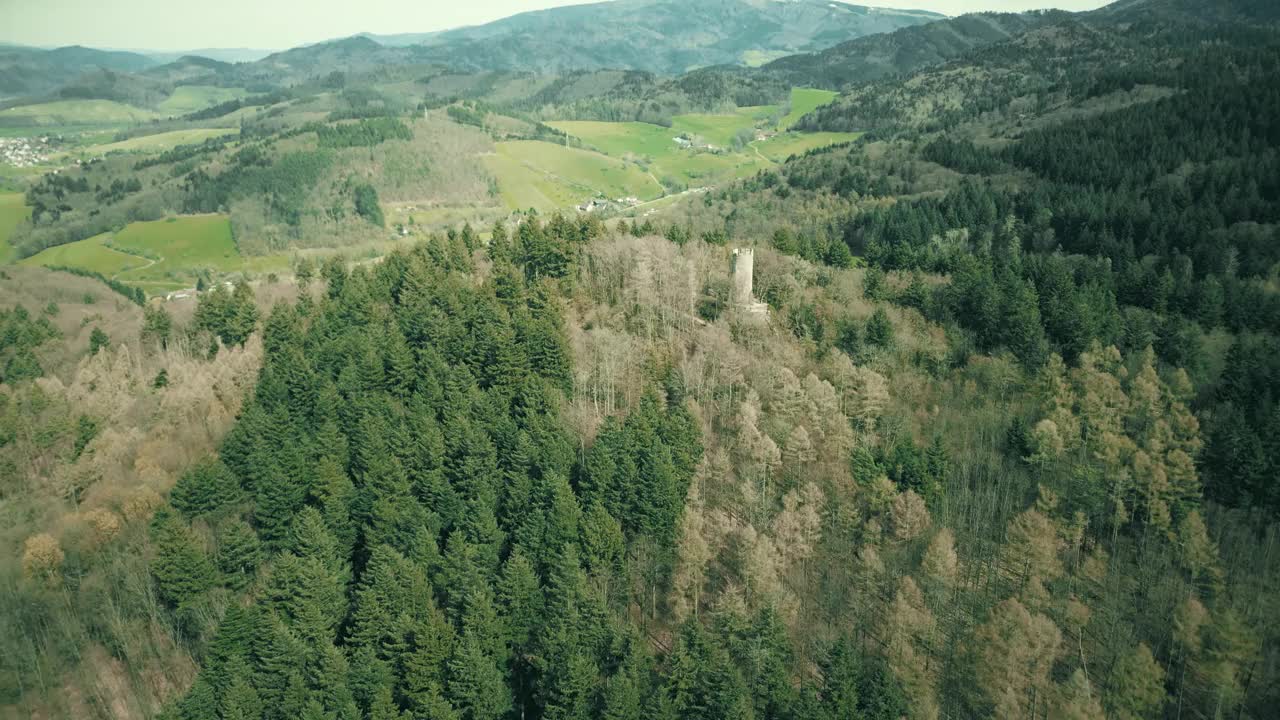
254, 24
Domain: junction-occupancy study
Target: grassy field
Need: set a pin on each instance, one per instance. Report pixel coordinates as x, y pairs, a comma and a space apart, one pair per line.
92, 254
779, 147
12, 212
656, 147
547, 176
162, 255
803, 102
756, 58
77, 112
163, 141
716, 130
621, 139
190, 98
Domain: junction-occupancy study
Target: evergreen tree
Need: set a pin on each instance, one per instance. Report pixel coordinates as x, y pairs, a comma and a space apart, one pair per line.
98, 340
879, 331
209, 487
239, 553
181, 567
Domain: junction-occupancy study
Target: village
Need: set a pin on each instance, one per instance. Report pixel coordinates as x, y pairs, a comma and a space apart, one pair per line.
24, 152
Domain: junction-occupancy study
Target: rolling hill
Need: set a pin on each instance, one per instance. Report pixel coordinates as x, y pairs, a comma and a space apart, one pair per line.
906, 49
660, 36
33, 71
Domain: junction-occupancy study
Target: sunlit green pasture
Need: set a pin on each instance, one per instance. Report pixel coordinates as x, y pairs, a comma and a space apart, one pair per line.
163, 141
546, 176
190, 98
76, 112
12, 212
803, 102
161, 255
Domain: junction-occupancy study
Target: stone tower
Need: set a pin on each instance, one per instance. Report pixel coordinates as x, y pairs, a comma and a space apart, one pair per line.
743, 270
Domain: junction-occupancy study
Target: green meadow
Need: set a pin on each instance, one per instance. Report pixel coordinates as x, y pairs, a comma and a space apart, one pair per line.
76, 112
546, 176
91, 254
191, 98
803, 102
163, 141
655, 146
719, 130
657, 149
12, 211
780, 147
162, 255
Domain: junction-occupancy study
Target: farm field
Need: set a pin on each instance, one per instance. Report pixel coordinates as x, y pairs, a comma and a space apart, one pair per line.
546, 176
621, 139
162, 255
12, 211
803, 102
190, 98
780, 147
719, 130
163, 141
655, 146
77, 112
91, 254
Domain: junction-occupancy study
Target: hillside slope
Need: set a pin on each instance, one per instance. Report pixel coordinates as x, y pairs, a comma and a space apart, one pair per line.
906, 49
659, 36
33, 71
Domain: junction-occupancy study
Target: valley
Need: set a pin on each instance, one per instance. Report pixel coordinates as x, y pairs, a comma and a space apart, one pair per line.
613, 165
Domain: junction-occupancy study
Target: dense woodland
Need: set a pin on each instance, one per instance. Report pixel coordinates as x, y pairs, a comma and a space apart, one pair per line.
1004, 445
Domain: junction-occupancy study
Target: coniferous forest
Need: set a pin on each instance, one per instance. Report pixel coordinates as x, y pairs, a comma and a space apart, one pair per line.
994, 433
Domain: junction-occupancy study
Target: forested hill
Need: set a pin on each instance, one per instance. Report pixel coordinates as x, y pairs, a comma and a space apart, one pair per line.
997, 435
661, 37
1106, 182
33, 71
876, 56
664, 36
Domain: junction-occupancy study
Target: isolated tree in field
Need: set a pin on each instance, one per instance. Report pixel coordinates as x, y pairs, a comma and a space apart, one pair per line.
98, 340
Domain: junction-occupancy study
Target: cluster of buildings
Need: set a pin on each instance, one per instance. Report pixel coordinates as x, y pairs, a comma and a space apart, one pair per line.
693, 143
597, 204
23, 152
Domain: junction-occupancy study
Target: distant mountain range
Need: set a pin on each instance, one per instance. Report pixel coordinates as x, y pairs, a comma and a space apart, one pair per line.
227, 55
660, 36
35, 71
876, 56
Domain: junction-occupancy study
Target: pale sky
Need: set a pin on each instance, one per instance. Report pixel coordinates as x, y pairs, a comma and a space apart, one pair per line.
276, 24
